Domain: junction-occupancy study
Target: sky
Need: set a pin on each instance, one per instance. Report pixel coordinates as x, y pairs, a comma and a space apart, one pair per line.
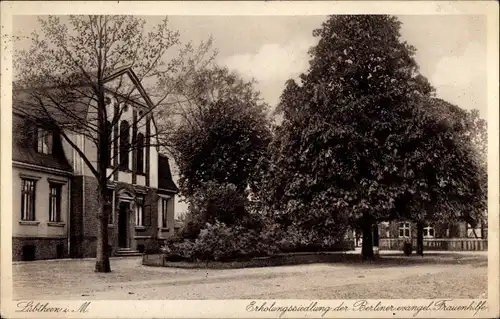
451, 50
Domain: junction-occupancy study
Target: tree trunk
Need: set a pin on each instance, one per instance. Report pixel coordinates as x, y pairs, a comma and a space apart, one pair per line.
367, 245
482, 229
102, 254
376, 236
420, 238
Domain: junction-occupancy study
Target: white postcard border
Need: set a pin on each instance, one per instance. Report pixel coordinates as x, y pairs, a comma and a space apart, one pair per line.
237, 308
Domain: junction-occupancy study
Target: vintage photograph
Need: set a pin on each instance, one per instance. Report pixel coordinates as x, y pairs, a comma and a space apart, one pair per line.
313, 157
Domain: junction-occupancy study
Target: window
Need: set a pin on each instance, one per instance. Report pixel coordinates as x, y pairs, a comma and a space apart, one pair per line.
164, 212
110, 194
124, 145
55, 203
110, 146
140, 153
404, 230
44, 141
473, 232
28, 199
428, 231
139, 211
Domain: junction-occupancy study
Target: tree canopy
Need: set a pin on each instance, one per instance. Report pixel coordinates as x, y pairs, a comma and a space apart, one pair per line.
364, 140
220, 137
222, 133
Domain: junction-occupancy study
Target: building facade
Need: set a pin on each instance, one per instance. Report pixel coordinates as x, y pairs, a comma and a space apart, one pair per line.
140, 186
437, 236
41, 184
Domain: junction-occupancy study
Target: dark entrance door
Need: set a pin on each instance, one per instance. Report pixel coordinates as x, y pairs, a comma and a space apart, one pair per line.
123, 225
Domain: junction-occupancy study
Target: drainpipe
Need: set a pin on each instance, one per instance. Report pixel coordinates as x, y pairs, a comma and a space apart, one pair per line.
68, 216
84, 209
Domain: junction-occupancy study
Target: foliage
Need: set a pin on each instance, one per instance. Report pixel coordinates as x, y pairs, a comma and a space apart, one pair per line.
220, 242
222, 133
445, 175
336, 122
298, 239
152, 246
363, 140
216, 201
477, 134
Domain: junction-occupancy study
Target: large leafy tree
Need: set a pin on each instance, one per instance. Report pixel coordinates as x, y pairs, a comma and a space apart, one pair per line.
220, 136
63, 80
357, 143
444, 171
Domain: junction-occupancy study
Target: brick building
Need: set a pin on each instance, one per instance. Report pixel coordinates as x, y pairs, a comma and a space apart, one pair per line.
46, 166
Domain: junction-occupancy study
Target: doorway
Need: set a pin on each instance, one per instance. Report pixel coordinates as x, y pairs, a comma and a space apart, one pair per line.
123, 224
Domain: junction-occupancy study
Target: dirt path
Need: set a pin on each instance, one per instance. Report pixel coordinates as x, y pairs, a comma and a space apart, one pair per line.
74, 279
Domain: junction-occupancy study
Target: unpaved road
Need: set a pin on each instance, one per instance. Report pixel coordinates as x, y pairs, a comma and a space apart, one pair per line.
464, 276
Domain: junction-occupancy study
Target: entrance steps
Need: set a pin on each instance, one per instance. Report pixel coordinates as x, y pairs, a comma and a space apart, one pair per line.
126, 252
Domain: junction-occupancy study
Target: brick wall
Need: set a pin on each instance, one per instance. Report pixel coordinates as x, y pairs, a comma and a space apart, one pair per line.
84, 217
45, 248
76, 217
85, 223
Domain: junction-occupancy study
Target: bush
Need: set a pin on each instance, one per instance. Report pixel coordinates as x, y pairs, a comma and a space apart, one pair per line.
219, 242
152, 246
190, 230
295, 239
178, 250
222, 202
254, 236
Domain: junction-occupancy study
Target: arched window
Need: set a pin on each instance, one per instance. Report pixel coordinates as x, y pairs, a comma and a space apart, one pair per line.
124, 145
140, 153
110, 144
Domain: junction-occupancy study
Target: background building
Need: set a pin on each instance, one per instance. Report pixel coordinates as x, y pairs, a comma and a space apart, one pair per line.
437, 236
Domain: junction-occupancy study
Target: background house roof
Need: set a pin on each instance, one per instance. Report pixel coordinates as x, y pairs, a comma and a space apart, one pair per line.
75, 94
23, 147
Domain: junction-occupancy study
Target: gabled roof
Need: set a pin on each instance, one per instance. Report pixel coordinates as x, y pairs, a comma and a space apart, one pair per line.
25, 104
127, 70
23, 147
25, 99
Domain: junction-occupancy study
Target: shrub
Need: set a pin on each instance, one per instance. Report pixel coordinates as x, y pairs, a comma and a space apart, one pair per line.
220, 242
295, 239
222, 202
152, 246
178, 250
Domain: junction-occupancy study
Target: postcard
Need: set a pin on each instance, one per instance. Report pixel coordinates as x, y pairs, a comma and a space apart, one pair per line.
260, 159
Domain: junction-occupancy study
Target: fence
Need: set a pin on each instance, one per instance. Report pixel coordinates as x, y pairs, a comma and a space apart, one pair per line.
455, 244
